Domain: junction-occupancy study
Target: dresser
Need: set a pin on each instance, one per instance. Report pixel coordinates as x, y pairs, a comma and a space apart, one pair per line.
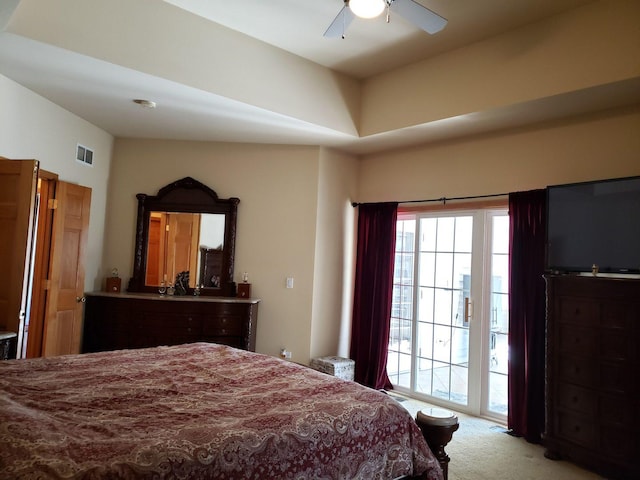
593, 373
114, 321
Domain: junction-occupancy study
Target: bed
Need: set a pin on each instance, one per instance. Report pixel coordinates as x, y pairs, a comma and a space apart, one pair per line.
199, 411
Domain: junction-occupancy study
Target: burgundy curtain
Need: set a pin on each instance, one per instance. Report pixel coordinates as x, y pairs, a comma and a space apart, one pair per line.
373, 293
527, 301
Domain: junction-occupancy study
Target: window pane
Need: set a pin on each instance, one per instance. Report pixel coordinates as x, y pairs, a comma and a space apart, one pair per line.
444, 270
500, 240
460, 346
428, 234
425, 305
499, 316
442, 307
402, 305
427, 269
442, 343
441, 380
405, 235
500, 312
464, 234
458, 307
425, 340
404, 373
424, 377
403, 268
445, 234
459, 384
461, 270
500, 273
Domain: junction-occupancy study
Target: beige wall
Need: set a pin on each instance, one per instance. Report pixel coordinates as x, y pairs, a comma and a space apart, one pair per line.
594, 45
31, 127
280, 188
591, 147
333, 266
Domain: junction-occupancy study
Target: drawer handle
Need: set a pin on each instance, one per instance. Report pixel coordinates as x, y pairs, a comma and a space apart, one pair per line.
223, 331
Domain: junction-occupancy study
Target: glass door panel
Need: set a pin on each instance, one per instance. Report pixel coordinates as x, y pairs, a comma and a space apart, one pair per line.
499, 317
399, 355
432, 346
444, 267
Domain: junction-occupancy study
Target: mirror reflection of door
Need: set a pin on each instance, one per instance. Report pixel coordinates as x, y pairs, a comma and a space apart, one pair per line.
155, 249
175, 244
172, 247
183, 233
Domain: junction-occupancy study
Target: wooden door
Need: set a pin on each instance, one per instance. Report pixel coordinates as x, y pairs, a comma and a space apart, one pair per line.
18, 181
182, 245
34, 323
64, 310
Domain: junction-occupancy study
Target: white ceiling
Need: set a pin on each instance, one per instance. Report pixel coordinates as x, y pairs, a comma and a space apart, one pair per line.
93, 88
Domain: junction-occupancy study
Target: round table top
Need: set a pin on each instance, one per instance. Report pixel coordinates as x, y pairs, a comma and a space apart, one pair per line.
437, 416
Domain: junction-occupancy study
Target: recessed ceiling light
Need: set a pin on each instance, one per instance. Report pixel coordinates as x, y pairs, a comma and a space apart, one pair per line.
145, 103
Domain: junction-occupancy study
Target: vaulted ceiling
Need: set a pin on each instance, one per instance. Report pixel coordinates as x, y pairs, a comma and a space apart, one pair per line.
254, 70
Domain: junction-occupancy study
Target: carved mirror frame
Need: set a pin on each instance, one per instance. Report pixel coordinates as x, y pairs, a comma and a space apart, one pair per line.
186, 196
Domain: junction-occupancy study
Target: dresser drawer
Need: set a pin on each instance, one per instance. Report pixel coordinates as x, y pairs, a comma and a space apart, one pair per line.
577, 311
575, 339
577, 370
577, 428
615, 345
577, 399
223, 325
171, 322
614, 377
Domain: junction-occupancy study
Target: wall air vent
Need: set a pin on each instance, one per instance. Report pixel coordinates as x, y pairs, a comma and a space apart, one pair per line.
84, 155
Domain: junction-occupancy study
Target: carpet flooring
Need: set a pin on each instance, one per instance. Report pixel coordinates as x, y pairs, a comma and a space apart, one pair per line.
483, 450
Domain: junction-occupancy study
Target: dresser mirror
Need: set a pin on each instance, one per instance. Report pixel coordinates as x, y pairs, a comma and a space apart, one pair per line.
185, 228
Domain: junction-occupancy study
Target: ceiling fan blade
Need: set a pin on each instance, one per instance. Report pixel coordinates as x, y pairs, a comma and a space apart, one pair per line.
340, 23
420, 16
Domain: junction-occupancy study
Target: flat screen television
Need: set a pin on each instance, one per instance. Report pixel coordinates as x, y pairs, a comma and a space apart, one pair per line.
594, 223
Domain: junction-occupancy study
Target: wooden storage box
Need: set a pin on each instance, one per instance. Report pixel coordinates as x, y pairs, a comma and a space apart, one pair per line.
114, 284
337, 366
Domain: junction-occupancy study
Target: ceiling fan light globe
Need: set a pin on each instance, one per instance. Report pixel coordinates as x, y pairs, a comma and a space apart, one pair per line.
367, 8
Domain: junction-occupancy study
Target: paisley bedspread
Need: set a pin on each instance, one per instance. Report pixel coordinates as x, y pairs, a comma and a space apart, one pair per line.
198, 411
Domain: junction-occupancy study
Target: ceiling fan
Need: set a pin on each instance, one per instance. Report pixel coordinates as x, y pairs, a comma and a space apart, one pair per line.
411, 11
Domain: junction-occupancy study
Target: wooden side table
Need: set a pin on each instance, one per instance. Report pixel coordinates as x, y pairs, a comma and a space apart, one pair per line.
437, 426
8, 345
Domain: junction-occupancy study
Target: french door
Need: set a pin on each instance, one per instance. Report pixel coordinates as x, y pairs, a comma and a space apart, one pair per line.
449, 320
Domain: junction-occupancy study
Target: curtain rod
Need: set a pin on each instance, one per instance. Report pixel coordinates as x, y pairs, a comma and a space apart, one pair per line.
444, 200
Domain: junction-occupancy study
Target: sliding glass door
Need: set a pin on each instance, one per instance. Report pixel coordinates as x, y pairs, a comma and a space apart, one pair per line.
448, 322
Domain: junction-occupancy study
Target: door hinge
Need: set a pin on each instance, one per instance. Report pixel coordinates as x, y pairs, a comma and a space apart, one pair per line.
46, 284
52, 203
